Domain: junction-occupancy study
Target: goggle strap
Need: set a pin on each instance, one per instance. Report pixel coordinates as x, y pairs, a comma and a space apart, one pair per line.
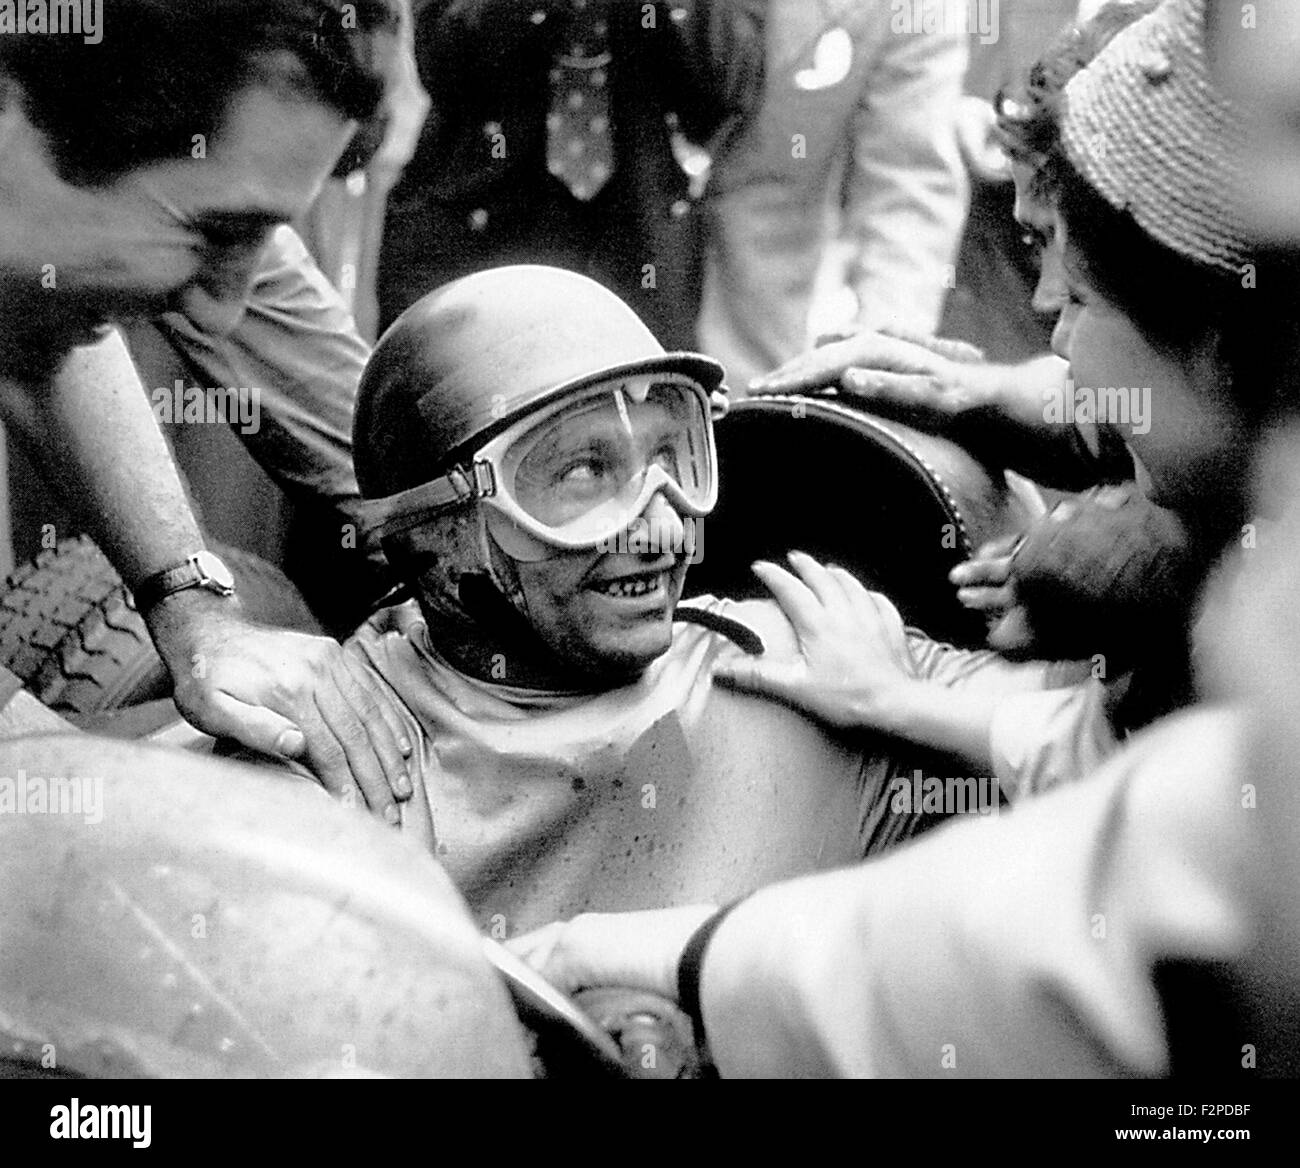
407, 509
410, 508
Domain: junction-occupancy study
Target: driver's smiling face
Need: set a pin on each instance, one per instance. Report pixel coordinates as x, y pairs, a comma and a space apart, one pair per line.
604, 613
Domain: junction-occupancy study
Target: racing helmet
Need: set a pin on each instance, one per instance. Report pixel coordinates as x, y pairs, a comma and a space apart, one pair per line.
475, 402
470, 357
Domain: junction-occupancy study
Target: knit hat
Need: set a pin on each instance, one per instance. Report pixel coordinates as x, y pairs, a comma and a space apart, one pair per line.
1147, 129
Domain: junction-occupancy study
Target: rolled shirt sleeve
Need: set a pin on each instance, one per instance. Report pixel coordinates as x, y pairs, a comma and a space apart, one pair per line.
1050, 723
1046, 739
298, 346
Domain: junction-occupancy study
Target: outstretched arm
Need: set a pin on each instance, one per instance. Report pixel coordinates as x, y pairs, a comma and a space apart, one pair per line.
998, 411
90, 430
1017, 946
90, 427
855, 670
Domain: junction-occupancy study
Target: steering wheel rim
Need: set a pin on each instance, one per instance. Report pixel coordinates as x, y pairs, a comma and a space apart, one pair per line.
535, 996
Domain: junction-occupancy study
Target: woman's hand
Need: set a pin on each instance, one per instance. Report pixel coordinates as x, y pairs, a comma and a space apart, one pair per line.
640, 950
853, 658
934, 381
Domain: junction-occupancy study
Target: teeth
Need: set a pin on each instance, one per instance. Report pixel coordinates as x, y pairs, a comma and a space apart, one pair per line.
635, 587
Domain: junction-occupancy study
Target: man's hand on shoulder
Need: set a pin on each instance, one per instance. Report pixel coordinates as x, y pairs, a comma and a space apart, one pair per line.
286, 694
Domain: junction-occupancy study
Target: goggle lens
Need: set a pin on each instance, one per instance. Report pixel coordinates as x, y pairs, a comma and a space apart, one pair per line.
586, 465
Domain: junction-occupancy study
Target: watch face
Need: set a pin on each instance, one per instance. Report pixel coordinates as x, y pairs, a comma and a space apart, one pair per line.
214, 571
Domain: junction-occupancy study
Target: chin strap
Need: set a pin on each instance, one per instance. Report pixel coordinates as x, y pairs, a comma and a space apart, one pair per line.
499, 568
488, 607
399, 594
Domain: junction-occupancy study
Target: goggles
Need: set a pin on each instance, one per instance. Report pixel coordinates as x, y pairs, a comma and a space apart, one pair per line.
580, 471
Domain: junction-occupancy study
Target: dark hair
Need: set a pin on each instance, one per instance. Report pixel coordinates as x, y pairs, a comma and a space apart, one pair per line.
1178, 303
1027, 119
1171, 298
166, 70
1174, 301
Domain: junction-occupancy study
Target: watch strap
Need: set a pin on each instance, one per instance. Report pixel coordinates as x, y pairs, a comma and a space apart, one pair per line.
169, 581
690, 967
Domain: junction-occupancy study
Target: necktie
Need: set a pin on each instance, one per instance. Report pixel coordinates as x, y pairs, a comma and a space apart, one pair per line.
579, 149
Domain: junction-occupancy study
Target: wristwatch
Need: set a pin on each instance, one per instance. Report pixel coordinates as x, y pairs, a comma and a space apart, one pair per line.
201, 570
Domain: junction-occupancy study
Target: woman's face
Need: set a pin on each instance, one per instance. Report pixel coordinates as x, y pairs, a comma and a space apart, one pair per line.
1175, 415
